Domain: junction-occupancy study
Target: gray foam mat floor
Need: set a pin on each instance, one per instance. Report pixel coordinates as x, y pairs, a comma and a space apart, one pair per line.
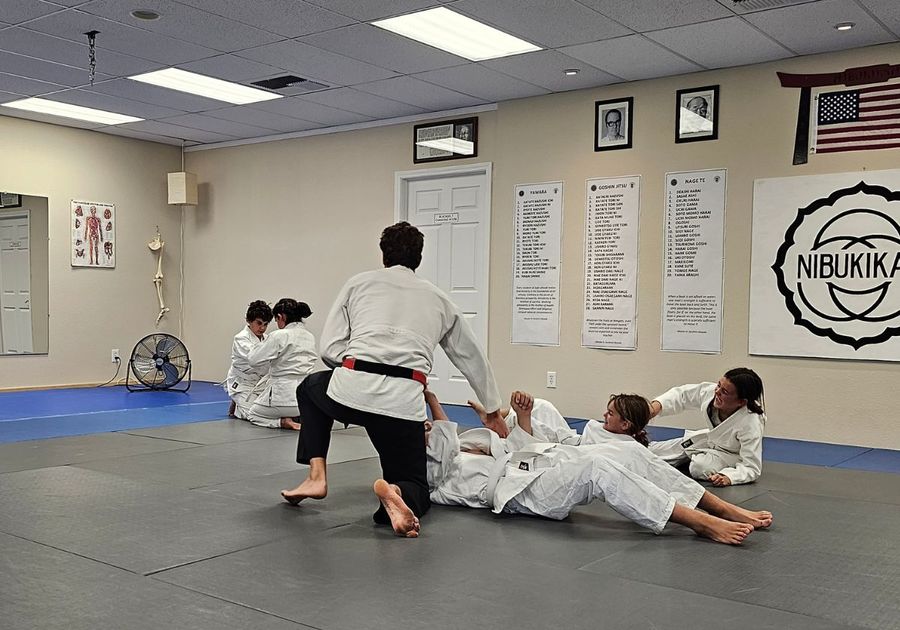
183, 527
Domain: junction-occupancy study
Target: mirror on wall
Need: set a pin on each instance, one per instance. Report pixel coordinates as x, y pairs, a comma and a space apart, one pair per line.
24, 275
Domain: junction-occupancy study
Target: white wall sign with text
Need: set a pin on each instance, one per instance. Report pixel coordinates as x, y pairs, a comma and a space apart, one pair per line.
694, 259
611, 218
536, 261
825, 271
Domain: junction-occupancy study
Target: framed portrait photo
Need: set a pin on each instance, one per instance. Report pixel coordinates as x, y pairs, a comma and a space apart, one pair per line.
613, 124
697, 114
445, 140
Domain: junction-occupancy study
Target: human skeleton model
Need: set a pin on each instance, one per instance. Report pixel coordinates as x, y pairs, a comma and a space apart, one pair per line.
156, 246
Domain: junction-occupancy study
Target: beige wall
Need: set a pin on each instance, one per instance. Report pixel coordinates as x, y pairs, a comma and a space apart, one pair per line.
91, 310
39, 250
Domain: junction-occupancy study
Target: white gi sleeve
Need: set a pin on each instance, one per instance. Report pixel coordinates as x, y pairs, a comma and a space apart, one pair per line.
441, 451
466, 354
683, 397
263, 354
548, 425
336, 332
749, 466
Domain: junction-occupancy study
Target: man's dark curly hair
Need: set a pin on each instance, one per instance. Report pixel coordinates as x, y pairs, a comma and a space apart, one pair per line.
401, 244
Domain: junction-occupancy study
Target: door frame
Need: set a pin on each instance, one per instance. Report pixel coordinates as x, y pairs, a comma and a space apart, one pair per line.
402, 180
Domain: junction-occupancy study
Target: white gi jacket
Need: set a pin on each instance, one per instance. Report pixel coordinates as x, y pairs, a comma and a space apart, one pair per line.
393, 317
524, 475
241, 377
288, 354
732, 448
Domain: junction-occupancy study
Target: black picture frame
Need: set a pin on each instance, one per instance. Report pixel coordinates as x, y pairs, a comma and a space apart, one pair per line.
455, 139
608, 136
697, 114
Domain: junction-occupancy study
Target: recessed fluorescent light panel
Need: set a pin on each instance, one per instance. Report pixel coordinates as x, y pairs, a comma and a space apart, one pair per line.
457, 34
201, 85
64, 110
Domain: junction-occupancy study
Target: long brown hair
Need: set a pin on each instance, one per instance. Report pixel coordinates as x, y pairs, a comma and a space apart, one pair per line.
635, 409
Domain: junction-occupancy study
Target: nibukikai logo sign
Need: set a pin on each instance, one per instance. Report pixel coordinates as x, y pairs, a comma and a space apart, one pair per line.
839, 266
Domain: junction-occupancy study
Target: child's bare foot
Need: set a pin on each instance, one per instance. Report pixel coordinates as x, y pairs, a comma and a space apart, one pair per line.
403, 521
759, 520
309, 489
720, 530
289, 423
231, 409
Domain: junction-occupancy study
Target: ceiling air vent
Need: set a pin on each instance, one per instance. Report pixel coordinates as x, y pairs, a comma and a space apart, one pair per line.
289, 85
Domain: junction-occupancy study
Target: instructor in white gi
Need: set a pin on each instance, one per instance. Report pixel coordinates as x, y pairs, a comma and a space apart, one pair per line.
379, 339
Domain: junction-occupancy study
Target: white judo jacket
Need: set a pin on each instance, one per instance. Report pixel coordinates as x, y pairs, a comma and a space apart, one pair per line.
393, 317
736, 441
287, 355
241, 377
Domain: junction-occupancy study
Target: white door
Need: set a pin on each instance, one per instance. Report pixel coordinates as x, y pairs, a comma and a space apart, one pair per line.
452, 209
15, 285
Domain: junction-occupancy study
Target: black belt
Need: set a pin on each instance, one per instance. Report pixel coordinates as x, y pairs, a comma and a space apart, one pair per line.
386, 370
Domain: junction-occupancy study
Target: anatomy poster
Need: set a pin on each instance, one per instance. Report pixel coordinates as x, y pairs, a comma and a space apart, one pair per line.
93, 234
825, 273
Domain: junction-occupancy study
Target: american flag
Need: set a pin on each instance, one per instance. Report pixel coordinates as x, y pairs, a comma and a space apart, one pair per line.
858, 120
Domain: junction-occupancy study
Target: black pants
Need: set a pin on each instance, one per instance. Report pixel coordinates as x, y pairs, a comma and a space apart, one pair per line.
400, 443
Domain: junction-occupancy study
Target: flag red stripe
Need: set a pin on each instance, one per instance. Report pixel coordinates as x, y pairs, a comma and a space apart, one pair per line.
880, 88
866, 138
848, 128
883, 97
879, 108
859, 147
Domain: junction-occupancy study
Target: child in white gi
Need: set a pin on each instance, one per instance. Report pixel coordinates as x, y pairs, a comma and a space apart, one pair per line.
244, 383
729, 450
525, 475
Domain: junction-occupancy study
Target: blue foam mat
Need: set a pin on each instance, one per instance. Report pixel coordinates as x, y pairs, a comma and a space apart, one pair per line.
33, 415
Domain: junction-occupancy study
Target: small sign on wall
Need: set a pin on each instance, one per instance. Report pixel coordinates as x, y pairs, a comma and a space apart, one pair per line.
93, 234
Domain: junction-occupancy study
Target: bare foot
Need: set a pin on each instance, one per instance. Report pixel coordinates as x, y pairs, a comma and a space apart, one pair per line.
403, 521
231, 409
289, 423
720, 530
759, 520
309, 489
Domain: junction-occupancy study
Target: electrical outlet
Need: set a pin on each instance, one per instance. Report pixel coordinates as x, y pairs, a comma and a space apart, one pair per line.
114, 356
551, 380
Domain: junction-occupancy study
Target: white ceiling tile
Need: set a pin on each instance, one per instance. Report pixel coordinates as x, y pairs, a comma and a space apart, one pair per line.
314, 63
368, 10
18, 11
218, 125
117, 130
183, 22
146, 93
259, 118
313, 112
291, 18
547, 23
352, 100
119, 37
809, 28
481, 82
633, 58
109, 103
547, 69
650, 15
887, 11
419, 93
383, 48
176, 131
51, 48
45, 70
7, 97
28, 87
232, 68
721, 44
